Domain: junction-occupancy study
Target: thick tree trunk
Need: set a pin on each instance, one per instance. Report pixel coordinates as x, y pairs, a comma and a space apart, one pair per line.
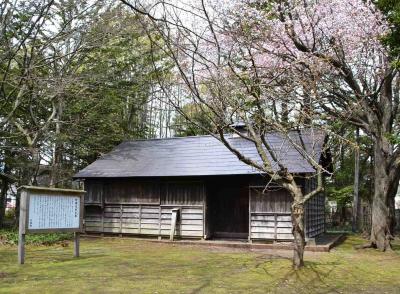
386, 183
298, 233
380, 227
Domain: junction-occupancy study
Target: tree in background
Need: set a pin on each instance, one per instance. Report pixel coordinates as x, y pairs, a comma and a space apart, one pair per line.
391, 9
42, 45
340, 187
111, 98
196, 125
76, 79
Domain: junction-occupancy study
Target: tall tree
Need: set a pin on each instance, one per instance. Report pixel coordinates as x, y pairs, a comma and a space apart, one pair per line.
227, 86
117, 82
198, 123
77, 78
355, 81
42, 44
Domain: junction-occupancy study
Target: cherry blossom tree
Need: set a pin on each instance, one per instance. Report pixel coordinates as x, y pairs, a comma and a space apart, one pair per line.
334, 48
227, 86
287, 65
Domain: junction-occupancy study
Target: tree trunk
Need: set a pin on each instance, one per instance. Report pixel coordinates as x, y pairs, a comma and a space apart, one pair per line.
297, 212
3, 199
58, 148
34, 170
356, 200
386, 184
56, 165
298, 233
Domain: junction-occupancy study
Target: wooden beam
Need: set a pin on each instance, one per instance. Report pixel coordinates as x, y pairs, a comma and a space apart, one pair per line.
174, 218
22, 226
76, 244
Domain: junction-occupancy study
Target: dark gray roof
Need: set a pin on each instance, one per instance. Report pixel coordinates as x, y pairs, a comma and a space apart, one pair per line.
198, 156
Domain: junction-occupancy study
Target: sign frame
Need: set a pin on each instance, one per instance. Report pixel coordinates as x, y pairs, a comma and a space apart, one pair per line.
25, 195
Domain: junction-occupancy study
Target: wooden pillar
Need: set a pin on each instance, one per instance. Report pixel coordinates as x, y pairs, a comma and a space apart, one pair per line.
174, 219
140, 218
249, 237
159, 222
21, 248
76, 244
120, 220
22, 227
102, 220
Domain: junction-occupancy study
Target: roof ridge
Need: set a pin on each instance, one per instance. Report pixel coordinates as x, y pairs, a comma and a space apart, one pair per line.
207, 136
168, 138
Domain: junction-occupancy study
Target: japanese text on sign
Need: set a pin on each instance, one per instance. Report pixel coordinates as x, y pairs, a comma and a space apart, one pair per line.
53, 212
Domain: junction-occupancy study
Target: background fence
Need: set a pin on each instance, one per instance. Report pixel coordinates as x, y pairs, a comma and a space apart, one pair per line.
341, 219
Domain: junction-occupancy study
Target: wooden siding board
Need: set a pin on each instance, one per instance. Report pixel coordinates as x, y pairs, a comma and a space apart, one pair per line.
146, 220
270, 216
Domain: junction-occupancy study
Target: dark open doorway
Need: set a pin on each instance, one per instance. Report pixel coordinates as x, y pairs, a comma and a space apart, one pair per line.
227, 209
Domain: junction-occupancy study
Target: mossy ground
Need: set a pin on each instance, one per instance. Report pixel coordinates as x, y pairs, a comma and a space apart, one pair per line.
113, 265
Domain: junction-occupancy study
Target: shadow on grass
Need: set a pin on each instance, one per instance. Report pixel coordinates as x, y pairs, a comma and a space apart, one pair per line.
63, 258
311, 277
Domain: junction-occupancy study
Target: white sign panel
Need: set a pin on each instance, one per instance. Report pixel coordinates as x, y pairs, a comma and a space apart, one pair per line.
53, 212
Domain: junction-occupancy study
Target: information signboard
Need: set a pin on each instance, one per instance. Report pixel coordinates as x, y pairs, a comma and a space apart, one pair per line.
53, 212
49, 210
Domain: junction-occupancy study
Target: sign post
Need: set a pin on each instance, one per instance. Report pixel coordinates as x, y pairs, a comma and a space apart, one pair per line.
49, 210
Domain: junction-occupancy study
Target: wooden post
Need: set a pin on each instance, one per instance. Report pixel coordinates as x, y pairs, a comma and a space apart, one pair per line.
249, 237
22, 227
140, 219
21, 248
120, 221
159, 222
102, 220
76, 244
205, 220
174, 218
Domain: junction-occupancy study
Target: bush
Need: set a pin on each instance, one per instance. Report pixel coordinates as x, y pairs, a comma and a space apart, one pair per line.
10, 214
10, 237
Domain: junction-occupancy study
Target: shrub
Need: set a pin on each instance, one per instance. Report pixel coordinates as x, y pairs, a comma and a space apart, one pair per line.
10, 237
10, 214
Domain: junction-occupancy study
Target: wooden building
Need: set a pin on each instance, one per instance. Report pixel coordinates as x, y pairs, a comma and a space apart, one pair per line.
136, 188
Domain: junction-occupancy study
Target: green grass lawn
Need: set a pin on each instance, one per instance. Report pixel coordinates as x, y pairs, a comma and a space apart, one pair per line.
113, 265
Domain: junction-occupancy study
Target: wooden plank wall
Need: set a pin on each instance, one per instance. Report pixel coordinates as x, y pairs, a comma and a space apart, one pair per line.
314, 210
94, 192
147, 218
270, 216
